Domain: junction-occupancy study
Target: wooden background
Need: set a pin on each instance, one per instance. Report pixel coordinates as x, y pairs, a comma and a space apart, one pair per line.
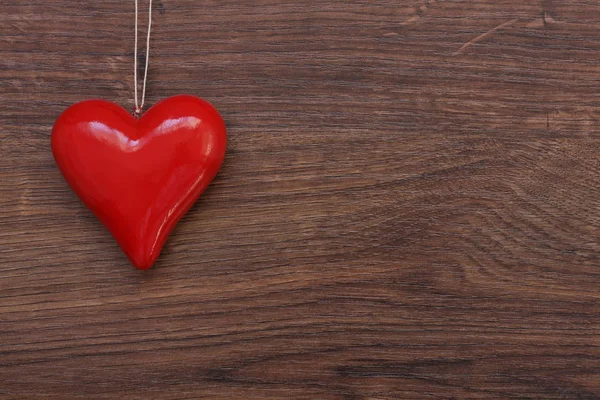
408, 208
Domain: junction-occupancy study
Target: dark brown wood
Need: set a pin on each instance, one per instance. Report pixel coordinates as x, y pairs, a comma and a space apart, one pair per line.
408, 208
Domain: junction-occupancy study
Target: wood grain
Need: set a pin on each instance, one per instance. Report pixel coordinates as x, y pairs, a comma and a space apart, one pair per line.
408, 208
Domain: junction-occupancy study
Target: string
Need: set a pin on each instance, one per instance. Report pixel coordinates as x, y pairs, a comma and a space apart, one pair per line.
139, 106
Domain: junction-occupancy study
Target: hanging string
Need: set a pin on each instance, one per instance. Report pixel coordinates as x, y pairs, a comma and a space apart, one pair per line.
140, 106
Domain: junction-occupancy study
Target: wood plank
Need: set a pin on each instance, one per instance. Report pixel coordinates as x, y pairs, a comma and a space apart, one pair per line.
408, 207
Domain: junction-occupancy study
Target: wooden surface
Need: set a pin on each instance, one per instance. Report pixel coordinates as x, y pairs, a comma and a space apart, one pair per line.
408, 208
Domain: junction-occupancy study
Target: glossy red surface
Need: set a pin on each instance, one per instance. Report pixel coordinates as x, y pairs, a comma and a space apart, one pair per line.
140, 176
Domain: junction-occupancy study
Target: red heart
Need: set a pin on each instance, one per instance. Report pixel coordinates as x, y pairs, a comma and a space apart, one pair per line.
140, 176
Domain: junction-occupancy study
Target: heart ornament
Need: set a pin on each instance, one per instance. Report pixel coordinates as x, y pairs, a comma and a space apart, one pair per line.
139, 176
